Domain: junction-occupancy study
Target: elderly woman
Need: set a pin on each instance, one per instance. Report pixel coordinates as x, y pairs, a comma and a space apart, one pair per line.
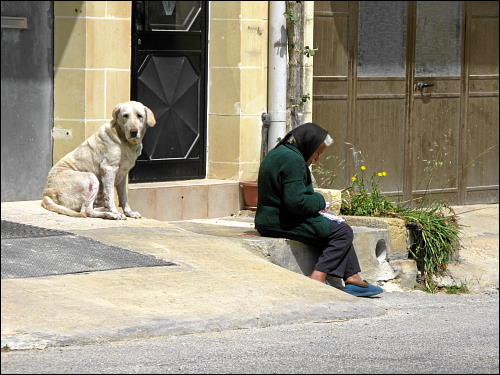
288, 207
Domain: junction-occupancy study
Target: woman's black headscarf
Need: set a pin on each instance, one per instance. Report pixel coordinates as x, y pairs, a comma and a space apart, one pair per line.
308, 137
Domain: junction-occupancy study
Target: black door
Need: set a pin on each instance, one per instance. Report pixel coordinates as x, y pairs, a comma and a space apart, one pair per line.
169, 49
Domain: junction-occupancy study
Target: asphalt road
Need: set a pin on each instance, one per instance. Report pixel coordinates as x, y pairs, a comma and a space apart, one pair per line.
420, 333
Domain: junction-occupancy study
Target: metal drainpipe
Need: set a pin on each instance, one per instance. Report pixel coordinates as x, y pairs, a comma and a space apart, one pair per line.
277, 72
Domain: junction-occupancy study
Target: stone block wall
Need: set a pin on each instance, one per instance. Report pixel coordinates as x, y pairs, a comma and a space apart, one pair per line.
92, 56
237, 87
92, 61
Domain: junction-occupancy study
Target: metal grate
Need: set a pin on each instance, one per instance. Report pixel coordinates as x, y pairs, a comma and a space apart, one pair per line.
30, 251
11, 229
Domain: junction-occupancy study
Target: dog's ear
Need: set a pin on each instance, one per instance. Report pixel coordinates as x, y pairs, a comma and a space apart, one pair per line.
116, 112
150, 118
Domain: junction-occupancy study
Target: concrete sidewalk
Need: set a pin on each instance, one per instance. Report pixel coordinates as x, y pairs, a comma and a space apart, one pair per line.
478, 266
215, 284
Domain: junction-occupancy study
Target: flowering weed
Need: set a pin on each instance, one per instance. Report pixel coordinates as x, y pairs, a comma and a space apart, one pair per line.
438, 222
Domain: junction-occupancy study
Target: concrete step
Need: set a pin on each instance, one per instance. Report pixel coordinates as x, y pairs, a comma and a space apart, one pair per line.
372, 246
195, 199
184, 200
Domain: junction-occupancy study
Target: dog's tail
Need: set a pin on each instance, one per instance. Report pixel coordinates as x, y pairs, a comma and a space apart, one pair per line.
49, 204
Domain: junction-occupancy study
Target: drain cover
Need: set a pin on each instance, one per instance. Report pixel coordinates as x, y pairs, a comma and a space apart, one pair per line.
17, 230
30, 251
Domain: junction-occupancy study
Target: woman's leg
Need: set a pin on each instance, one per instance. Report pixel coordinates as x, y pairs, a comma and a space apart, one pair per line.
339, 258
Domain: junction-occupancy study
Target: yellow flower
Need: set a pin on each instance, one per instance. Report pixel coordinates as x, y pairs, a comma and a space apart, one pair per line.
380, 174
353, 178
363, 167
384, 173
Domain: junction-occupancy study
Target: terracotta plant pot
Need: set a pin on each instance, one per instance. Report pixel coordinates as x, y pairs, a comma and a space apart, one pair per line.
249, 189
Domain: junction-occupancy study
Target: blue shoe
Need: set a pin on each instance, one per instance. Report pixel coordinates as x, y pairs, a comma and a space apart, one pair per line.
362, 291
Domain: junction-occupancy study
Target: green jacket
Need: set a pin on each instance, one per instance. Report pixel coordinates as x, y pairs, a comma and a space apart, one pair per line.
287, 204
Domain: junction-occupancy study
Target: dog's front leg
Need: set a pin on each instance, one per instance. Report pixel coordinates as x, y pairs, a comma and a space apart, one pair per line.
108, 186
122, 197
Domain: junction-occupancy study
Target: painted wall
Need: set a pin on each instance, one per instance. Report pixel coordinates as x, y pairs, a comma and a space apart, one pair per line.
27, 93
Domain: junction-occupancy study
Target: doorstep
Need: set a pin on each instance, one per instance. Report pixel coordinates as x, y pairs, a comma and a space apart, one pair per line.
185, 200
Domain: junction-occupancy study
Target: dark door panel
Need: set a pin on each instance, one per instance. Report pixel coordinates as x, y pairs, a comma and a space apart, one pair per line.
171, 87
169, 76
155, 41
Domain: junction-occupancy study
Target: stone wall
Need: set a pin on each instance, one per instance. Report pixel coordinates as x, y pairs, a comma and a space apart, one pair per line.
92, 56
237, 87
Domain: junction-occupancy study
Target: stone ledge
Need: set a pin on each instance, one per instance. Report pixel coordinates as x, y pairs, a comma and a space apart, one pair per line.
372, 247
398, 233
333, 196
406, 270
397, 227
371, 244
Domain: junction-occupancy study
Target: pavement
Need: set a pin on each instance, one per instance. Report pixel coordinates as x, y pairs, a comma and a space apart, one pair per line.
73, 281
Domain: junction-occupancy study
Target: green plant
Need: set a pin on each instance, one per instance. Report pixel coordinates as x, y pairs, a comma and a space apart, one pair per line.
440, 232
440, 237
325, 177
298, 100
290, 16
360, 200
426, 285
303, 99
456, 289
308, 52
438, 222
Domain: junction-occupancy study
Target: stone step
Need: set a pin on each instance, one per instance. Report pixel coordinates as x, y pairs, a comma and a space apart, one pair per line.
195, 199
372, 245
185, 200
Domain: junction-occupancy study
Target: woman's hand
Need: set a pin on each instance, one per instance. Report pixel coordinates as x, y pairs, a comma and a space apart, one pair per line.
326, 207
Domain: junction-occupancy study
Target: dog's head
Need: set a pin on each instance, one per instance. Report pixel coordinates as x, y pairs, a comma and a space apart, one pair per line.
132, 119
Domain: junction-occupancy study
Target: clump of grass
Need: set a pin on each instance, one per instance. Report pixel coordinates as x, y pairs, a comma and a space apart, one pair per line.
438, 223
440, 237
430, 286
456, 289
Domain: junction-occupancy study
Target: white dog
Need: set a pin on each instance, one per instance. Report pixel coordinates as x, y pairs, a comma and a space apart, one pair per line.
82, 183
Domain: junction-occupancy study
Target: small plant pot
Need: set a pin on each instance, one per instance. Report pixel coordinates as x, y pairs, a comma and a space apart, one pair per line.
249, 190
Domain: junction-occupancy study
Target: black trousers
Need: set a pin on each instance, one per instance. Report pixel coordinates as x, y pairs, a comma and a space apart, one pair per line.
339, 258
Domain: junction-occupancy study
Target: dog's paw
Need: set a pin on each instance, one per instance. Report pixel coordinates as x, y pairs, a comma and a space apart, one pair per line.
115, 216
133, 214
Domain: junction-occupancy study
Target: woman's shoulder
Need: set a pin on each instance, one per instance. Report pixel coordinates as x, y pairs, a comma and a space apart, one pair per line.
287, 151
283, 159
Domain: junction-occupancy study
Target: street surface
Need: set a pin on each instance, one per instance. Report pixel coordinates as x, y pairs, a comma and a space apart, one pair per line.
420, 333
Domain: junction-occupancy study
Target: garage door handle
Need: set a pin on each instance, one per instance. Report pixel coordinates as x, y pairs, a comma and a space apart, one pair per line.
421, 85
